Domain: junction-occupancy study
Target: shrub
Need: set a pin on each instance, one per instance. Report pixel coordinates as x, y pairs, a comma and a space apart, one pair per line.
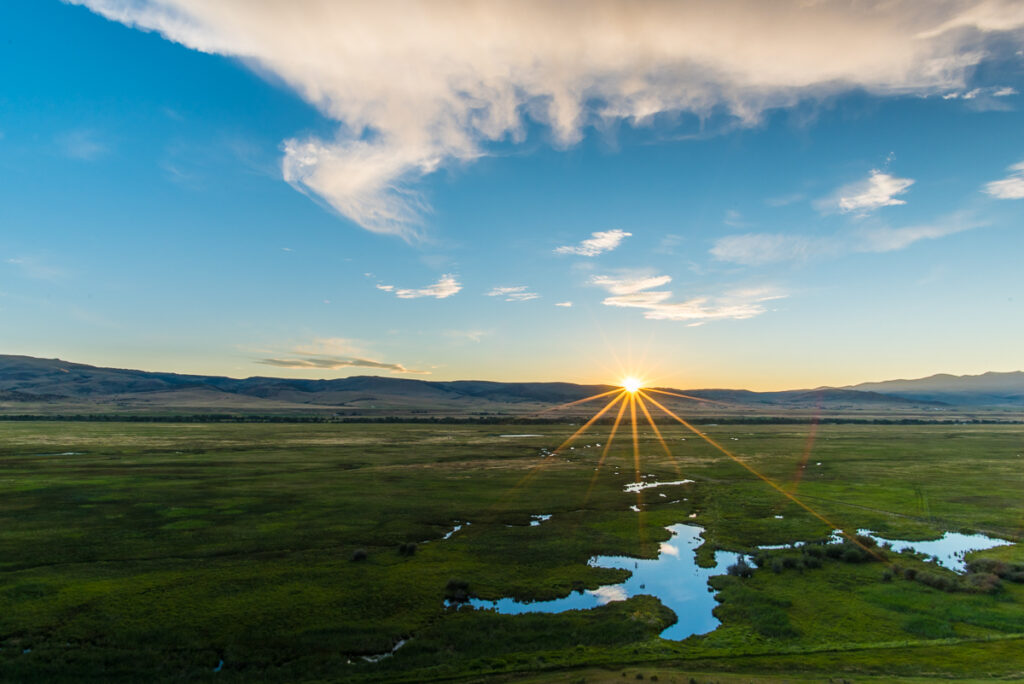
851, 554
910, 573
811, 562
407, 549
814, 551
740, 569
359, 555
777, 565
457, 591
887, 576
937, 581
864, 540
985, 582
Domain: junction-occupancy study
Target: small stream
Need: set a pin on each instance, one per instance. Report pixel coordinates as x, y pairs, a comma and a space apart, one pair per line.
673, 577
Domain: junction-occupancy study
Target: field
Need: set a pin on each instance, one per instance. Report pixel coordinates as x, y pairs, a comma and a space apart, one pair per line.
235, 552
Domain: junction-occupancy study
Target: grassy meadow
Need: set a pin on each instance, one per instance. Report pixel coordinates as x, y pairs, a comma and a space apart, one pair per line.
283, 552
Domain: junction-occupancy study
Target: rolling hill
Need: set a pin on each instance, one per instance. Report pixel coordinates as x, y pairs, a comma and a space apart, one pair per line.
36, 385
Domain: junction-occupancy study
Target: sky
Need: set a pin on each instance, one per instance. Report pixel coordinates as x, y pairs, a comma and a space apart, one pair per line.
706, 194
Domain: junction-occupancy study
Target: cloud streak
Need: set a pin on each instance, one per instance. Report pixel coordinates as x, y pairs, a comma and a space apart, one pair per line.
755, 249
332, 354
635, 292
415, 86
446, 286
877, 191
517, 293
1011, 187
598, 243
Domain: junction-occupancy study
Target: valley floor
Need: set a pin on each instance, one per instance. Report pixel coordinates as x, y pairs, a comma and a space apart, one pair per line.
288, 552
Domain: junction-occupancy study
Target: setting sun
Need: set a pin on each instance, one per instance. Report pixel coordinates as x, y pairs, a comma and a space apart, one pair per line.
631, 384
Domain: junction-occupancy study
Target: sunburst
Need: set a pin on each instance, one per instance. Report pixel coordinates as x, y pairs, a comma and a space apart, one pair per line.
632, 393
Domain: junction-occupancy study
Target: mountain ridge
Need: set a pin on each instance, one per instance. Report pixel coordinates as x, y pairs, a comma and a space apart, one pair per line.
27, 379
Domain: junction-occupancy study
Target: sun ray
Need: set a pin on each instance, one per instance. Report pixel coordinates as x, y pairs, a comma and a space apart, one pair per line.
580, 401
767, 480
607, 447
636, 463
537, 468
654, 426
687, 396
585, 426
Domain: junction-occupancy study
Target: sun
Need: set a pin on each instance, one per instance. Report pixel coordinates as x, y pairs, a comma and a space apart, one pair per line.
632, 384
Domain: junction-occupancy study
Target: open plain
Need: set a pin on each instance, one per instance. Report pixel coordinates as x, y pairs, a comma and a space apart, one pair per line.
299, 552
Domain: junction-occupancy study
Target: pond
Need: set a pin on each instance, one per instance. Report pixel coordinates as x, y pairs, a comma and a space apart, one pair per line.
673, 577
950, 549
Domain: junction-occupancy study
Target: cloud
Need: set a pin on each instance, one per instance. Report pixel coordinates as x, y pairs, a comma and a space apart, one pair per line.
975, 93
36, 269
1011, 187
416, 86
564, 304
878, 190
599, 242
627, 284
518, 293
82, 145
754, 249
636, 293
445, 287
471, 335
784, 200
332, 354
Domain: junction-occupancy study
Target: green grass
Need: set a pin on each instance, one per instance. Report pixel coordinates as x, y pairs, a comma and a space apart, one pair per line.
161, 549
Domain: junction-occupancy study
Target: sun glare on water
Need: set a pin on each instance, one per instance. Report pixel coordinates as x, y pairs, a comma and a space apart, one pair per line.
631, 384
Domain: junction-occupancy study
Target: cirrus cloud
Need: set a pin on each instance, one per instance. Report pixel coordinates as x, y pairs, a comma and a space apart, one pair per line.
332, 354
445, 287
633, 291
517, 293
417, 85
878, 190
1011, 187
598, 243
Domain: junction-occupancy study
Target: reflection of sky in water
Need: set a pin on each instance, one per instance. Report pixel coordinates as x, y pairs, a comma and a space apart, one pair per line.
950, 548
673, 577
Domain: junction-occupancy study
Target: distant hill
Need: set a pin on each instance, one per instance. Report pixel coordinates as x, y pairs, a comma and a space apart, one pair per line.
987, 389
29, 384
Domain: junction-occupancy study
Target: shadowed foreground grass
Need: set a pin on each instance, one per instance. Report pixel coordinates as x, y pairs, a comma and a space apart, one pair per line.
152, 552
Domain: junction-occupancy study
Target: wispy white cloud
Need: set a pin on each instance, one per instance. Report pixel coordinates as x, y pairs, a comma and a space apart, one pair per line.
754, 249
517, 293
878, 190
332, 354
471, 335
764, 248
83, 145
629, 283
445, 287
975, 93
635, 292
785, 200
564, 304
414, 86
1011, 187
36, 269
598, 243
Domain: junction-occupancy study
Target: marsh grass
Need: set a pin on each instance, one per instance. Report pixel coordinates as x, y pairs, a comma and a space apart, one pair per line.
163, 548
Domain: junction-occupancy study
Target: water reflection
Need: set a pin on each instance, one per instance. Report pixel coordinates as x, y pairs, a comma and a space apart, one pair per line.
674, 578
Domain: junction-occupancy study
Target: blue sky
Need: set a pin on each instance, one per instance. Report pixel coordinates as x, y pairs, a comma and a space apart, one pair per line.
828, 196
